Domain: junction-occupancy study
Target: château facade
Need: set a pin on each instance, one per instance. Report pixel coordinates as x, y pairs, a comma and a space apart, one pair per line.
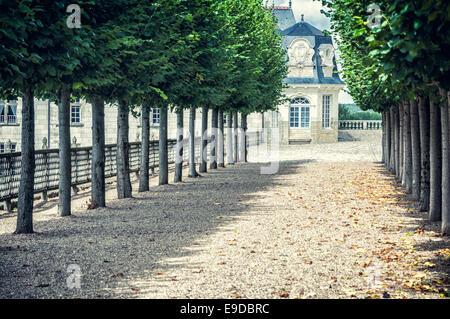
311, 113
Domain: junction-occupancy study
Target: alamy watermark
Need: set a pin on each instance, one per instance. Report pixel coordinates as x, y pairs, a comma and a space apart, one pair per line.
74, 19
374, 278
374, 20
74, 279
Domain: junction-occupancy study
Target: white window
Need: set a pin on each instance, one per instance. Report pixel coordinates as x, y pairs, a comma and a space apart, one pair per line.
326, 102
76, 114
12, 113
3, 147
155, 116
305, 117
299, 113
8, 112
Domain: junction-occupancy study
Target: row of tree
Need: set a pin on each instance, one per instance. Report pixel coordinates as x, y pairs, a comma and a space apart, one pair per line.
395, 60
348, 113
222, 55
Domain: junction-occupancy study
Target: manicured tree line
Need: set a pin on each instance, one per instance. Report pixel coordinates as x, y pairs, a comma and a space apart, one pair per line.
136, 55
396, 63
44, 56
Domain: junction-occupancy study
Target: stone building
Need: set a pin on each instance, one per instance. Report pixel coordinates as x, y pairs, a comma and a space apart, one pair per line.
311, 115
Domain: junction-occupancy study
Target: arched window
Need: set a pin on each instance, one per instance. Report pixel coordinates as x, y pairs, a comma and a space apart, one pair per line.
299, 113
301, 100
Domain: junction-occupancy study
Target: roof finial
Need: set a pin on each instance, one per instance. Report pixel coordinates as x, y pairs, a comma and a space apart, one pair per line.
303, 16
290, 4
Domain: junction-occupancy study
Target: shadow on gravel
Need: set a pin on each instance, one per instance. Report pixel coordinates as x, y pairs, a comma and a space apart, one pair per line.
130, 239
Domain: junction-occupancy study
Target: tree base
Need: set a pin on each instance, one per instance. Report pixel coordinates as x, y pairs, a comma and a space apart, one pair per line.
23, 231
445, 229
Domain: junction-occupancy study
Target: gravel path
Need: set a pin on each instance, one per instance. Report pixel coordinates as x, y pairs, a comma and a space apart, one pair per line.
326, 226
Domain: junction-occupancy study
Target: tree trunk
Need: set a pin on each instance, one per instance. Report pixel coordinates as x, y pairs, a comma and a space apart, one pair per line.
401, 140
392, 140
243, 157
396, 143
435, 163
144, 183
123, 150
230, 157
163, 150
383, 139
214, 138
424, 121
415, 149
192, 171
26, 185
204, 141
220, 142
235, 138
388, 138
179, 150
445, 115
262, 127
65, 161
408, 148
98, 152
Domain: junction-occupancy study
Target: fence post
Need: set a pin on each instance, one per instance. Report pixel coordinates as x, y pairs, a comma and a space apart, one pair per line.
47, 178
8, 205
74, 162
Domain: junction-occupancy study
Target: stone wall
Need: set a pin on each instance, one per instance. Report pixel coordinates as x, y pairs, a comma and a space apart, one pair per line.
360, 135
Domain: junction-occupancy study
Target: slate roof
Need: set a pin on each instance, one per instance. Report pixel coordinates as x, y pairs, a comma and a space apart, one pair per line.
285, 17
302, 29
290, 30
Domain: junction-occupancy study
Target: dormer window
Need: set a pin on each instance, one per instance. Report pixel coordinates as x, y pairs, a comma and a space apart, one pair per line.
326, 52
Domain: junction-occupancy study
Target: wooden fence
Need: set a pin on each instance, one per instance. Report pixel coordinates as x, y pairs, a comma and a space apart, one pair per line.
46, 177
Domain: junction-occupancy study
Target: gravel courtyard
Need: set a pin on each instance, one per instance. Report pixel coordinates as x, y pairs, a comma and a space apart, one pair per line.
330, 224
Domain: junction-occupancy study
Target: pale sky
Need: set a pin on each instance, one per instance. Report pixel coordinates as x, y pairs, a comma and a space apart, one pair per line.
311, 10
